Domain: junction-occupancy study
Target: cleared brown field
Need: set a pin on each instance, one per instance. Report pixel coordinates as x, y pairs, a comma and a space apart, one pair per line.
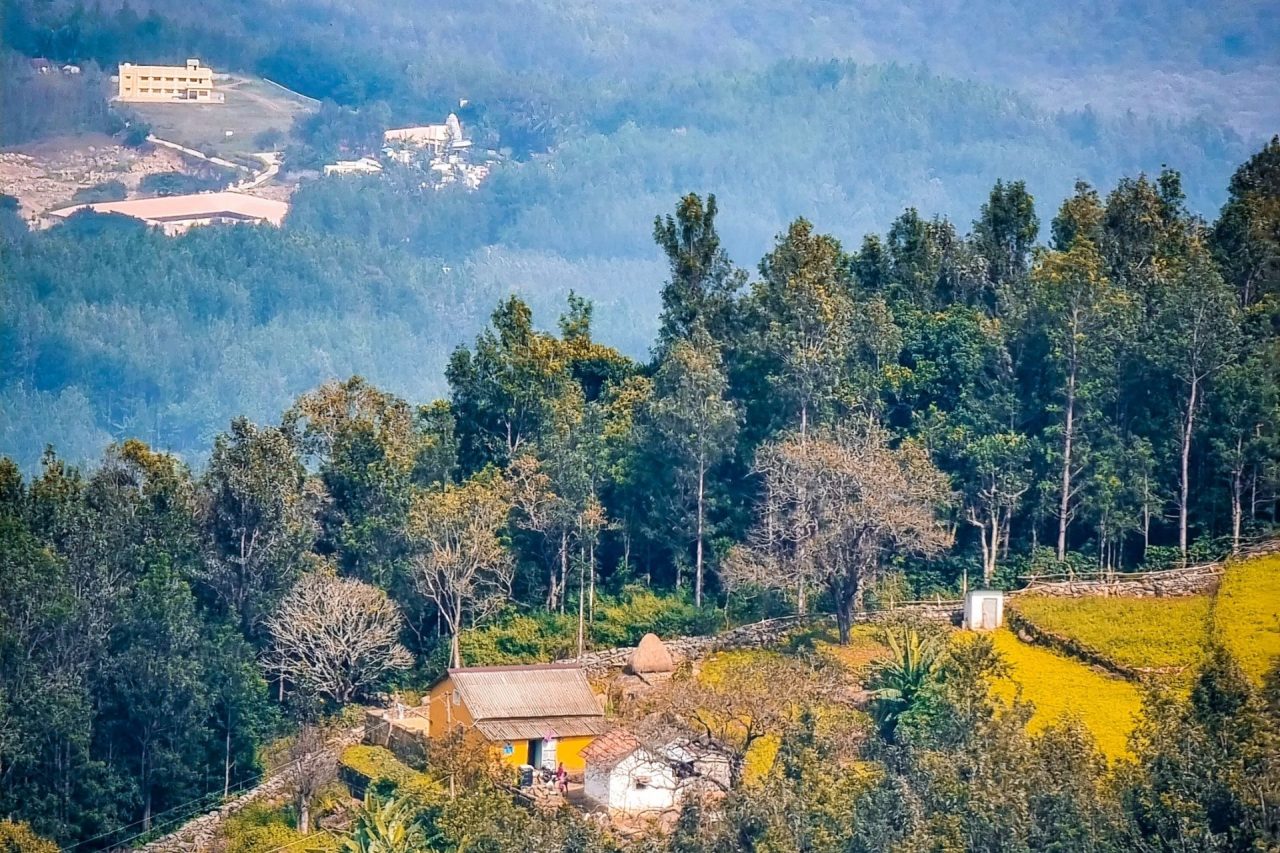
252, 106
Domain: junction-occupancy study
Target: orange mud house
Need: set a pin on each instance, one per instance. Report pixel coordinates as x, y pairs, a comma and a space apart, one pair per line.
540, 715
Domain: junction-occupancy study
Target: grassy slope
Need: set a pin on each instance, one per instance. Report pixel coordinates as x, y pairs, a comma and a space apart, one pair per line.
1173, 632
251, 107
1059, 686
1154, 633
1247, 616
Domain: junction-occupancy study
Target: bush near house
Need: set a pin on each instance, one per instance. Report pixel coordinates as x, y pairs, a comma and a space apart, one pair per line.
105, 191
16, 837
180, 183
620, 620
264, 826
374, 767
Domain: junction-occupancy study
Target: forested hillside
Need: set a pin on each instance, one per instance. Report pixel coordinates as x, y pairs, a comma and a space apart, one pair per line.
849, 425
119, 334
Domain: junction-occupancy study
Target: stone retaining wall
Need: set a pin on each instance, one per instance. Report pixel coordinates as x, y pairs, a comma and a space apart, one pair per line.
199, 833
1030, 632
1193, 580
757, 635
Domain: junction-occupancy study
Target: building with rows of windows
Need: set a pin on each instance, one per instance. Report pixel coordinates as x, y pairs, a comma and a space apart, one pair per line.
192, 83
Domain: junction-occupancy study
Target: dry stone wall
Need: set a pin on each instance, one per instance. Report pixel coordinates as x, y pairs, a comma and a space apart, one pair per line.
758, 635
1193, 580
199, 833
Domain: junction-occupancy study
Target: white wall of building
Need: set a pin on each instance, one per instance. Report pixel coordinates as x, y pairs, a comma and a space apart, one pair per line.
636, 784
983, 609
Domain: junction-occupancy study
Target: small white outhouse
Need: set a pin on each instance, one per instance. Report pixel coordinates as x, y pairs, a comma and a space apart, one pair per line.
984, 609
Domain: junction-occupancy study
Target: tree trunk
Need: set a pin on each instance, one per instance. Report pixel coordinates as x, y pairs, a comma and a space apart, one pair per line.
1146, 515
564, 567
697, 560
1185, 486
304, 813
844, 618
1064, 502
226, 758
146, 785
581, 613
1237, 497
591, 593
989, 570
455, 649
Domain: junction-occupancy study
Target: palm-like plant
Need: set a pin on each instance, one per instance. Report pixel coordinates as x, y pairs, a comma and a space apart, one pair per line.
385, 826
898, 681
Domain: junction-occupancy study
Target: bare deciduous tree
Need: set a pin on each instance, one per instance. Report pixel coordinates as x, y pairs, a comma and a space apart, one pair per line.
336, 637
837, 502
461, 564
314, 766
753, 698
540, 510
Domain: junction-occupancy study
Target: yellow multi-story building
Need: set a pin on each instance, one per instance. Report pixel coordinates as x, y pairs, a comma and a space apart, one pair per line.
192, 83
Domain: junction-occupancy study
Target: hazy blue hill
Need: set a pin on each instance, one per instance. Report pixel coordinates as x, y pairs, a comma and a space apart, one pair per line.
614, 108
1153, 57
118, 332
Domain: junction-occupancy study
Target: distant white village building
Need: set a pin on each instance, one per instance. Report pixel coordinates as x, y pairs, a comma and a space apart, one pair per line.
436, 139
363, 166
176, 214
190, 83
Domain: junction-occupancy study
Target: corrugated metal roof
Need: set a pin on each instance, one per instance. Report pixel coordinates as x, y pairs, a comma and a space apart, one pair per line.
524, 692
531, 728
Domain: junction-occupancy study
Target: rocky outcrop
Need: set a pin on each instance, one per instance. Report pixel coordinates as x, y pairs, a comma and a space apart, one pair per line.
199, 833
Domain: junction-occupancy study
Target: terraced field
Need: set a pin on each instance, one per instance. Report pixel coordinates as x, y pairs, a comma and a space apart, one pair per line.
1172, 634
1167, 637
1060, 686
1247, 614
1142, 633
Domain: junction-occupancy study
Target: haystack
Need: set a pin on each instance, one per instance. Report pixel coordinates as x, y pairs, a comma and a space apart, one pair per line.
651, 657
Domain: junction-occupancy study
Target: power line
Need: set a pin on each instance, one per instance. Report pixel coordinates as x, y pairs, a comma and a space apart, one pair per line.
260, 778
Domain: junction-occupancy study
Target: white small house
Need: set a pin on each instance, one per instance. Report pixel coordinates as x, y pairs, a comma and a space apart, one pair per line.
983, 609
363, 166
626, 777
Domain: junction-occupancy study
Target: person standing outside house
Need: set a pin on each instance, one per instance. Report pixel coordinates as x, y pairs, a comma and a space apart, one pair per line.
562, 779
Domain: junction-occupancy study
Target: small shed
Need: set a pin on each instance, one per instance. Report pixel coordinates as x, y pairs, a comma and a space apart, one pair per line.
626, 777
983, 609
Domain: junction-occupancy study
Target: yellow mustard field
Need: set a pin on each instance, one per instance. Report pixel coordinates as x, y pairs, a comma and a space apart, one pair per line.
1059, 686
1147, 633
1247, 614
